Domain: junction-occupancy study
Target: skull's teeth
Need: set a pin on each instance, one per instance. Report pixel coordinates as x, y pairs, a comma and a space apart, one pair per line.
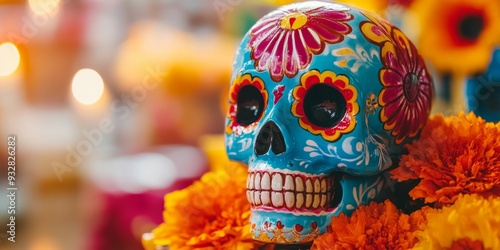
290, 191
309, 187
289, 183
257, 182
277, 199
265, 196
317, 186
251, 181
290, 199
266, 181
277, 182
300, 200
250, 196
257, 198
309, 200
323, 200
316, 200
299, 184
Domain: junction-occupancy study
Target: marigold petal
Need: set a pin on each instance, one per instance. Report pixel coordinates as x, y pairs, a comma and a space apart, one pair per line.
471, 221
454, 155
376, 226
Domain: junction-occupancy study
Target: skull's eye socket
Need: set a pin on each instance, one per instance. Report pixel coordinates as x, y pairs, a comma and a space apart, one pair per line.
250, 105
324, 105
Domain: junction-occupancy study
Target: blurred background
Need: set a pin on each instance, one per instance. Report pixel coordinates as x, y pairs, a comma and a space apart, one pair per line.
117, 102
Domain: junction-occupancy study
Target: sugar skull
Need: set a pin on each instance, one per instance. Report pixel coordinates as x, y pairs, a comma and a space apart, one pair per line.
323, 97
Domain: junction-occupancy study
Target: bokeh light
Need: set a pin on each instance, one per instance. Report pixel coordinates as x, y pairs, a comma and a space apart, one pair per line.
10, 59
47, 7
87, 86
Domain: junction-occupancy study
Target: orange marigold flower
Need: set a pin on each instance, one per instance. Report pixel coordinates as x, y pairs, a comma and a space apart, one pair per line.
213, 213
376, 226
454, 155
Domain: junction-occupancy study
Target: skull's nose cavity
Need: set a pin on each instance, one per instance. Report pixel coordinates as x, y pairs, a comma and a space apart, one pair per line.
278, 145
270, 136
264, 139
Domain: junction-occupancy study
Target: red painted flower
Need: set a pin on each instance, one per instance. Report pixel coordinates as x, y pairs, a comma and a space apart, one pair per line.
407, 94
340, 83
284, 41
238, 83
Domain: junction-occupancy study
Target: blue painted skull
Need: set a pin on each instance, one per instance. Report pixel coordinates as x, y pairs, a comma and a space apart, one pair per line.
322, 99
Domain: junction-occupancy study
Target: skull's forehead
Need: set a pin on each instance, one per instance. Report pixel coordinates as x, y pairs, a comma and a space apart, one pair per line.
352, 56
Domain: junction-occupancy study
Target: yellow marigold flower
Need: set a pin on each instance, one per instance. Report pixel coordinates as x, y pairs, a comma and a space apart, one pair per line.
213, 213
213, 146
377, 6
473, 222
457, 36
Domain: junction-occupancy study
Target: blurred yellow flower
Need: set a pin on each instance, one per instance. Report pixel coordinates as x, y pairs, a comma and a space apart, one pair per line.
473, 222
282, 2
214, 149
377, 6
457, 36
213, 213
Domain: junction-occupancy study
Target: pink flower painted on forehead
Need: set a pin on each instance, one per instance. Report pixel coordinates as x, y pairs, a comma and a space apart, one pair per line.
284, 41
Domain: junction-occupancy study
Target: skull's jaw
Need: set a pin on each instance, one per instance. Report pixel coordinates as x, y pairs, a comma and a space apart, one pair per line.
285, 224
287, 228
293, 192
291, 207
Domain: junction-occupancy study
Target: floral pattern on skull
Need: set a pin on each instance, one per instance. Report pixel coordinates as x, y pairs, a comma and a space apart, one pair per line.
284, 41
